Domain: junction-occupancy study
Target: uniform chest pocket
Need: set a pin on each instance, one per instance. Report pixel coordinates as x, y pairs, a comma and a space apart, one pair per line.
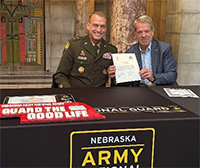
102, 69
80, 68
105, 63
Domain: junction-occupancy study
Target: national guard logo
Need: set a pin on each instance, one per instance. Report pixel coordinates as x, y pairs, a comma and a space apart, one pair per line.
81, 69
141, 109
67, 45
33, 1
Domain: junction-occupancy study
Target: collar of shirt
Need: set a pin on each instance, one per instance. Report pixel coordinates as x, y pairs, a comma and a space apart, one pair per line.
96, 44
146, 57
147, 50
146, 60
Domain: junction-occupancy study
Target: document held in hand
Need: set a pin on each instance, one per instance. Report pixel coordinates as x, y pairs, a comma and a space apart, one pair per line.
127, 68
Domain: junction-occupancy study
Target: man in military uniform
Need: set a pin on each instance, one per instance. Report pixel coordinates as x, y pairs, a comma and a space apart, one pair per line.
85, 60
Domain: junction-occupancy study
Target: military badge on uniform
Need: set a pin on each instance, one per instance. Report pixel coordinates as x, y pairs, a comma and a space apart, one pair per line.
107, 55
82, 53
82, 56
104, 71
67, 45
81, 69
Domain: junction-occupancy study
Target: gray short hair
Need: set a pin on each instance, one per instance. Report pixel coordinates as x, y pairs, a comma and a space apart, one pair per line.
99, 13
144, 19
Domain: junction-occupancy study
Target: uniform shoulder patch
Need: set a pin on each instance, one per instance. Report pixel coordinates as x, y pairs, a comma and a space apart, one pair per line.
73, 40
67, 45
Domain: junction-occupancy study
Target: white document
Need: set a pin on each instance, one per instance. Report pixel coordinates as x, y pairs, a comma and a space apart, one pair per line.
32, 99
179, 92
127, 68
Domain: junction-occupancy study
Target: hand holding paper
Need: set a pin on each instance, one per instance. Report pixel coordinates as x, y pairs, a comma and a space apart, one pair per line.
127, 69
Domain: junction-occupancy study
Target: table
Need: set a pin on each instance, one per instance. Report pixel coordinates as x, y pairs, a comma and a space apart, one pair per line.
137, 139
189, 103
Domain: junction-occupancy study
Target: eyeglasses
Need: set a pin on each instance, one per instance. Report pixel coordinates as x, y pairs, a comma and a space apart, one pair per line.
101, 26
139, 33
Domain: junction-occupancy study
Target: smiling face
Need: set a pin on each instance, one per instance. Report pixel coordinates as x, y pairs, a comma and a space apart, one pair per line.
144, 34
96, 27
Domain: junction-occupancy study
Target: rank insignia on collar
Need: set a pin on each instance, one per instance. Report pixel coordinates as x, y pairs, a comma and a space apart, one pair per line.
107, 55
67, 45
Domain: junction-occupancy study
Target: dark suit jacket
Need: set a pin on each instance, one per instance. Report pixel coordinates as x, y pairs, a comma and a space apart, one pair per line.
162, 60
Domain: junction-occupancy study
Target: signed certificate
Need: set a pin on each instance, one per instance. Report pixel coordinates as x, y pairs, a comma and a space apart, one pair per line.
127, 68
68, 98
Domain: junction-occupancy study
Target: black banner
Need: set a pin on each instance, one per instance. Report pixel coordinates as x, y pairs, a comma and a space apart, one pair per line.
131, 148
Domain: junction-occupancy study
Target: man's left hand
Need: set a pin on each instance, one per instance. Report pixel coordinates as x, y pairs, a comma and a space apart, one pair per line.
146, 74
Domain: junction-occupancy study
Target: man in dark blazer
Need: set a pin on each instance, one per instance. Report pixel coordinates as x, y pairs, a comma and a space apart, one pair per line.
85, 60
155, 58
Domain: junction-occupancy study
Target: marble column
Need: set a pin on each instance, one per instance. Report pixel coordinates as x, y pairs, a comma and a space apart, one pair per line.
84, 8
123, 14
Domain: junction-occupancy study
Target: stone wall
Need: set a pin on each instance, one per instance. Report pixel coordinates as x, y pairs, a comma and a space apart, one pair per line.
183, 33
59, 25
60, 18
189, 50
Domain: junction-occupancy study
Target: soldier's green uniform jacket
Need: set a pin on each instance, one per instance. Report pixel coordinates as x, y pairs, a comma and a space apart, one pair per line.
79, 65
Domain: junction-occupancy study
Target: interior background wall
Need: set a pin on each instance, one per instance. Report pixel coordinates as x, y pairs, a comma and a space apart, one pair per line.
157, 10
59, 27
189, 45
60, 16
176, 22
